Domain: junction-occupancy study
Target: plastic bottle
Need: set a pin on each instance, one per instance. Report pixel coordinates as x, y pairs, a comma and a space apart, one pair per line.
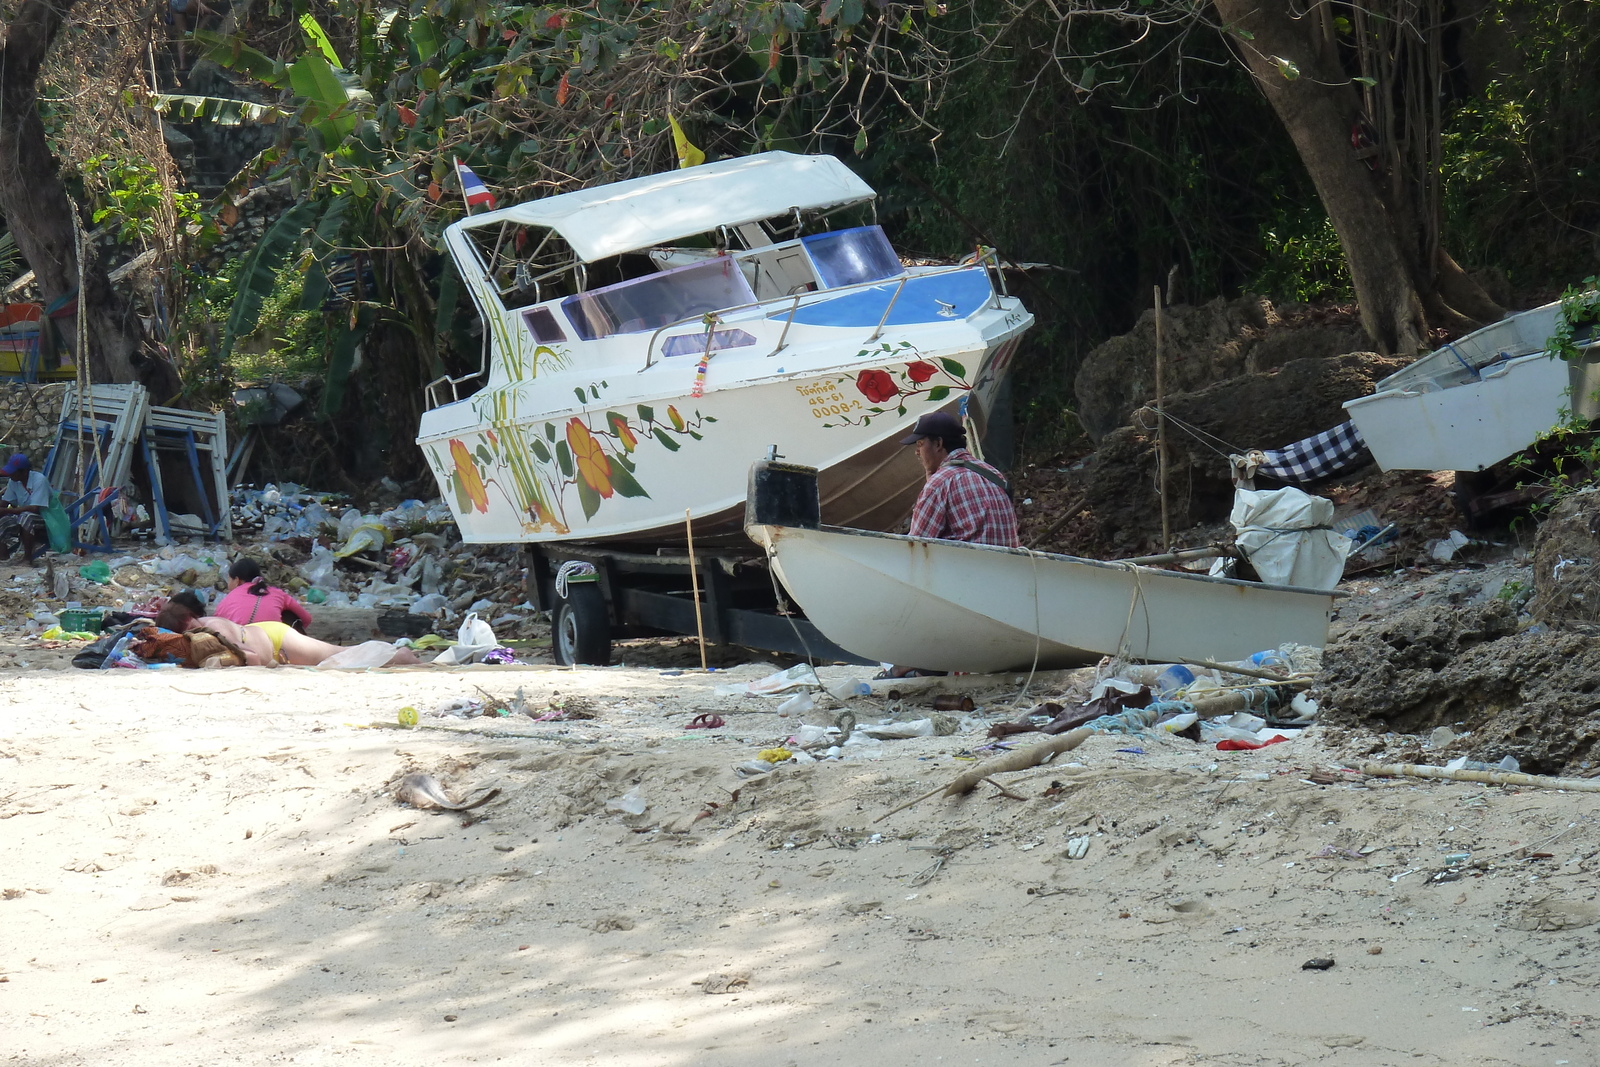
798, 704
1174, 679
850, 690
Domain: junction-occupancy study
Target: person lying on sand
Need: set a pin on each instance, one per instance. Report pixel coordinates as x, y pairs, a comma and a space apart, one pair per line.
267, 644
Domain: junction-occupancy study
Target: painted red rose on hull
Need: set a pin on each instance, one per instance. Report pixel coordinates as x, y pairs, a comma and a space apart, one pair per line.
877, 386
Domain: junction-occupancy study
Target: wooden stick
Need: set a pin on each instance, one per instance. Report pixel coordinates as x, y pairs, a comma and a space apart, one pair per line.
1061, 520
1280, 679
1537, 781
1004, 791
1020, 760
1183, 554
694, 580
1161, 436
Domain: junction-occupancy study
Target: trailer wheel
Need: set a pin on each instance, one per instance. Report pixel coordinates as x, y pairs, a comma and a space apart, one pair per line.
581, 630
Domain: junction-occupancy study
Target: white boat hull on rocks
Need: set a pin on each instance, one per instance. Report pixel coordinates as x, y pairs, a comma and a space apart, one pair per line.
607, 413
946, 605
1475, 401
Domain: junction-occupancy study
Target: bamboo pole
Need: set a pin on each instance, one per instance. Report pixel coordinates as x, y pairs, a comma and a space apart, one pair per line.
1180, 556
1161, 435
1536, 781
694, 581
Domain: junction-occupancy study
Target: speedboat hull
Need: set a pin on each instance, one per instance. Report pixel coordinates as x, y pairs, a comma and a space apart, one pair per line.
612, 412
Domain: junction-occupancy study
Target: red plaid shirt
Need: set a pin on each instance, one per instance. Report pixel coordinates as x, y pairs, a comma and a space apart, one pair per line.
958, 504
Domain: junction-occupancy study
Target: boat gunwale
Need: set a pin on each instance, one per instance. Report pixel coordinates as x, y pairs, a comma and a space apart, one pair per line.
1208, 579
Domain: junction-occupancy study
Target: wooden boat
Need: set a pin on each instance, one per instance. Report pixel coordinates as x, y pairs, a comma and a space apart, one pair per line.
645, 339
1475, 401
947, 605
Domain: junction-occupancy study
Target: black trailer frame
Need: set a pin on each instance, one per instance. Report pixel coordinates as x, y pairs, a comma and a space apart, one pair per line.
638, 592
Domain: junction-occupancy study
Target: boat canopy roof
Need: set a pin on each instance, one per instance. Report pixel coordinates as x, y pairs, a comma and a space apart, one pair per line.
640, 213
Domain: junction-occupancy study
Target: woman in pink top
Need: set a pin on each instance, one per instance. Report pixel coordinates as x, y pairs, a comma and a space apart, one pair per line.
250, 599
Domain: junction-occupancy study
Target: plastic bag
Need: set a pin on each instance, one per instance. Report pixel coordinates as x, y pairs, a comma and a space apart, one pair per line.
474, 640
796, 677
57, 526
369, 536
318, 570
98, 572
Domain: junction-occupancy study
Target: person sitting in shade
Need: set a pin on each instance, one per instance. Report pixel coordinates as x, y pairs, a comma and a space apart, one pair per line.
963, 498
250, 599
22, 506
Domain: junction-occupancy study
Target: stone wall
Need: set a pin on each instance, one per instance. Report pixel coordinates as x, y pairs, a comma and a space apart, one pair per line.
28, 417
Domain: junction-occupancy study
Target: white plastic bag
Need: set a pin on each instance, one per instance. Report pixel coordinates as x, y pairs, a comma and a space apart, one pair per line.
474, 640
318, 570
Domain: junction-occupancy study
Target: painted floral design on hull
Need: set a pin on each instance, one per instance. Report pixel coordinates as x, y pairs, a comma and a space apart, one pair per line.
532, 466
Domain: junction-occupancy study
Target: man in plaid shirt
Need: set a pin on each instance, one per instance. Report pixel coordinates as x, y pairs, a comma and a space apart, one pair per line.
963, 499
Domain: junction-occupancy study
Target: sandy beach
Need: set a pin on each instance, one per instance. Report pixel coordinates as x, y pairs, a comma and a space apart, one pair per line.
210, 867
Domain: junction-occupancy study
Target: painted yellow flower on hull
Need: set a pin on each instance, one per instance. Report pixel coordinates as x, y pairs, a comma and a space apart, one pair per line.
471, 480
594, 466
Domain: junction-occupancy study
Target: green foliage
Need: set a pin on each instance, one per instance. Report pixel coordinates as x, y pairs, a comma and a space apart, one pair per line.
1164, 169
128, 193
1304, 260
1521, 184
258, 275
1580, 312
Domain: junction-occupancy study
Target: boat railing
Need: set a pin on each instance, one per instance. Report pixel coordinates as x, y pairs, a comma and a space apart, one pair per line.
986, 258
431, 389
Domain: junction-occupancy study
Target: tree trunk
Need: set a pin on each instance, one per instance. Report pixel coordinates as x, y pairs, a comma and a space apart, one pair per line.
35, 203
1402, 281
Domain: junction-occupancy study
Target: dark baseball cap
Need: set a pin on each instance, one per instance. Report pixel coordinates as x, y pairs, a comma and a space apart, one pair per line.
935, 424
16, 466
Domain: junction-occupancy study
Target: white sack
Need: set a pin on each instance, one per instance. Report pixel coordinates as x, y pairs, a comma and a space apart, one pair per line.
1275, 528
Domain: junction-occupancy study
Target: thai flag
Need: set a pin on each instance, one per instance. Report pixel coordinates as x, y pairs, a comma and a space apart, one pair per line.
472, 187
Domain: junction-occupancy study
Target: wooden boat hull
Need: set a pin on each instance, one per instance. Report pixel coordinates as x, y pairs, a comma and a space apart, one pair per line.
946, 605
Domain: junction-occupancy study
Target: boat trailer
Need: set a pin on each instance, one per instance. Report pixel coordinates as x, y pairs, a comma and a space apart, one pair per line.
640, 592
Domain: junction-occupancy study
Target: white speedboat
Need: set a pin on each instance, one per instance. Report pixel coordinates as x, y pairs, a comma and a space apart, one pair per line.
644, 339
948, 605
1475, 401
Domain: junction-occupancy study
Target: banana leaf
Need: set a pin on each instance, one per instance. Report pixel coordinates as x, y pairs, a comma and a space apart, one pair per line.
318, 37
260, 271
220, 110
234, 54
342, 360
323, 247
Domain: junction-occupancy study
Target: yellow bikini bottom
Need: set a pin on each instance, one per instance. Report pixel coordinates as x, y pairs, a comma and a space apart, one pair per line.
276, 631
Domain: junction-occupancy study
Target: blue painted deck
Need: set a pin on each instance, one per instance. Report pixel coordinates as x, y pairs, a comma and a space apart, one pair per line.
962, 293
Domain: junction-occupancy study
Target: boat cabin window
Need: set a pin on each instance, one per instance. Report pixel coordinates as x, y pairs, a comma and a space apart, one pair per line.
527, 264
850, 257
655, 300
543, 326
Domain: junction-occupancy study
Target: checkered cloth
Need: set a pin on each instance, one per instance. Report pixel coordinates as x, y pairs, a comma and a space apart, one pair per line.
1316, 458
960, 504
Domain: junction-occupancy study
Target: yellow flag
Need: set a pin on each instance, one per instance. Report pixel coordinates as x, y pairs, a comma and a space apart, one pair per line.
688, 154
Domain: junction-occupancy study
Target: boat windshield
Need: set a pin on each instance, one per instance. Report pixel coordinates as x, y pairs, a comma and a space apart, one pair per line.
655, 300
850, 257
